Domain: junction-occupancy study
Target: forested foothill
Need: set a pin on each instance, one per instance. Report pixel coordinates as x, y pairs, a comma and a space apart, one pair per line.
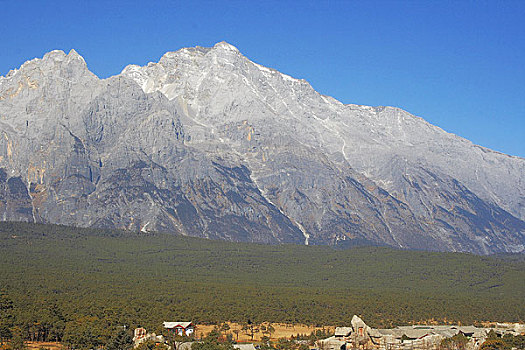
84, 286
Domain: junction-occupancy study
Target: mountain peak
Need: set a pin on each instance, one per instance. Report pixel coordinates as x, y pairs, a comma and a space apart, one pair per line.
73, 54
61, 56
223, 45
56, 55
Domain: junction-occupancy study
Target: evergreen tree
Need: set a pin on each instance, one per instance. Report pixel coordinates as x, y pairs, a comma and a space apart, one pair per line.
121, 341
17, 341
211, 342
457, 342
151, 345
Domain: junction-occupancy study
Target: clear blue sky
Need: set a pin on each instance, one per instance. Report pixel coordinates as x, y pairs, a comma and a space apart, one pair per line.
458, 64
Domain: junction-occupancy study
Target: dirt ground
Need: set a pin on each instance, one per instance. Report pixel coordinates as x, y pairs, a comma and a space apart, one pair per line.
282, 330
33, 345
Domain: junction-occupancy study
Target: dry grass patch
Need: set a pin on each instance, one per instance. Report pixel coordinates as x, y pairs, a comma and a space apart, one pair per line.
35, 345
281, 330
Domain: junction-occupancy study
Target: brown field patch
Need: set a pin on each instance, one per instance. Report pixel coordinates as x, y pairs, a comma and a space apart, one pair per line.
282, 330
35, 345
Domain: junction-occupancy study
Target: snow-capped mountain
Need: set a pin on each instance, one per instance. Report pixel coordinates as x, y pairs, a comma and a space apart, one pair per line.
207, 143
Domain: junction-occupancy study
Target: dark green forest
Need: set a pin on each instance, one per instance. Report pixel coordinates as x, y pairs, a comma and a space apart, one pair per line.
56, 281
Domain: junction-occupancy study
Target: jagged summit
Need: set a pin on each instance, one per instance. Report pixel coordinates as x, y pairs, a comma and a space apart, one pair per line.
206, 142
223, 45
54, 55
223, 62
50, 62
74, 54
59, 55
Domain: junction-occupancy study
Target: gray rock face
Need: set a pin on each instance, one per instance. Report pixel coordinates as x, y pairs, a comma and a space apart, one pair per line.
208, 143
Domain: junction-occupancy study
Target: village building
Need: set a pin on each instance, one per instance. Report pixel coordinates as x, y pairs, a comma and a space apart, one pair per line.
244, 347
180, 328
416, 337
343, 333
332, 343
510, 328
140, 335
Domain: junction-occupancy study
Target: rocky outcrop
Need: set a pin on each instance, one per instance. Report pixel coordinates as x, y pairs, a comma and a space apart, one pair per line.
207, 143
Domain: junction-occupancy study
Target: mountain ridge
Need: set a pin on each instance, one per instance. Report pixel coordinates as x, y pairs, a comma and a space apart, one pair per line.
214, 145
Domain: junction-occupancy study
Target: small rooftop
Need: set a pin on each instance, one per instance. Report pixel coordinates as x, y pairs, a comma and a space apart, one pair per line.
244, 346
343, 331
177, 324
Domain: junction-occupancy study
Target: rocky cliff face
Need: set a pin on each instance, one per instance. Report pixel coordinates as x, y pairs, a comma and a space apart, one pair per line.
207, 143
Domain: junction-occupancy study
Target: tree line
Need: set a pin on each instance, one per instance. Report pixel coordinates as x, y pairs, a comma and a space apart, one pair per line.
85, 285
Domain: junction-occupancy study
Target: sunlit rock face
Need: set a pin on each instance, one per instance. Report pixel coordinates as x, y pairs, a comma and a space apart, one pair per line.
207, 143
